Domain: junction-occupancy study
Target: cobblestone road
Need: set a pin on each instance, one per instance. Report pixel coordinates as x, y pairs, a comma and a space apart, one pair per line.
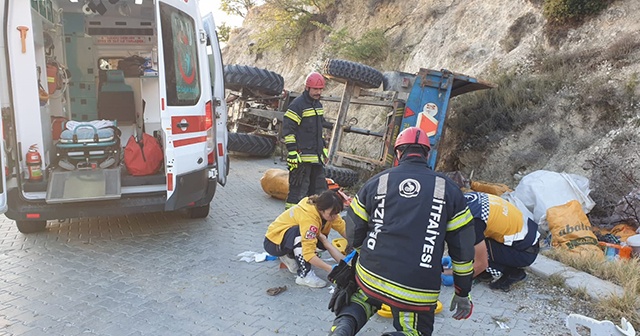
162, 274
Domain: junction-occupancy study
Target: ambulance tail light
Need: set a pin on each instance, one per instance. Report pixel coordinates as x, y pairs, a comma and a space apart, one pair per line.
211, 144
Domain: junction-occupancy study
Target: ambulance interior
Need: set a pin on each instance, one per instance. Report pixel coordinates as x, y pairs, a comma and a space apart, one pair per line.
98, 78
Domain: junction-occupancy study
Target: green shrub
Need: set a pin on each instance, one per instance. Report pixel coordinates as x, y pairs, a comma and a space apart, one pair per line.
564, 11
370, 48
338, 41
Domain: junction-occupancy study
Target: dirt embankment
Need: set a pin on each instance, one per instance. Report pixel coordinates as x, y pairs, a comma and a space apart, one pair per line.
481, 38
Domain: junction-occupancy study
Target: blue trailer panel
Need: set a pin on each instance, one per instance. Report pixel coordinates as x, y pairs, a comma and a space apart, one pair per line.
428, 102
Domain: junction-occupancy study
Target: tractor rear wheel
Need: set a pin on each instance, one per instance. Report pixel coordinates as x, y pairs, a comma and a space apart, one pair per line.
344, 177
258, 81
362, 75
251, 144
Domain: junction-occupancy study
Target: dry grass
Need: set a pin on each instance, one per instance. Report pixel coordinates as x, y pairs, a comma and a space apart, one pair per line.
625, 273
619, 52
556, 280
582, 293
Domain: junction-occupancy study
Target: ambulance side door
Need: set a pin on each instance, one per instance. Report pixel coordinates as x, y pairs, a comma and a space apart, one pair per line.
184, 95
3, 170
220, 106
3, 161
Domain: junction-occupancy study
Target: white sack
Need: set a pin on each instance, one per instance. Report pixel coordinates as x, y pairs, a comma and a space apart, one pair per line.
542, 189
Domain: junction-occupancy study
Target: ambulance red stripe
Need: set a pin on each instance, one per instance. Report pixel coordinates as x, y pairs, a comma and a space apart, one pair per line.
189, 141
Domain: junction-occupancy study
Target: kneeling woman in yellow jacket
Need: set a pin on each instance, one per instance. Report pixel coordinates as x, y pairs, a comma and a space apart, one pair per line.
297, 232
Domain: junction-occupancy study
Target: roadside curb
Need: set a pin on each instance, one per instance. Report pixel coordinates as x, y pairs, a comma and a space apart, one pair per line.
597, 288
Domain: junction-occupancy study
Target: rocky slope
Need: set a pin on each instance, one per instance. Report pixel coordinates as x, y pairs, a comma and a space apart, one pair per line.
483, 38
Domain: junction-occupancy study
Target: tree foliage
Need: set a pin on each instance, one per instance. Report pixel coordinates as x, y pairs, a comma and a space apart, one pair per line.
237, 7
223, 32
285, 21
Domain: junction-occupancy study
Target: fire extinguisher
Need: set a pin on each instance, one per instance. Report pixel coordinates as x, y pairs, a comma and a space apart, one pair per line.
34, 163
52, 77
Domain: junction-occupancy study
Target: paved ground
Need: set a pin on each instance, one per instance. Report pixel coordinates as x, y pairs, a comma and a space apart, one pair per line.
161, 274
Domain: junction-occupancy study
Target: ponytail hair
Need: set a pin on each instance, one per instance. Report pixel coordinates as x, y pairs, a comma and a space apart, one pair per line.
327, 200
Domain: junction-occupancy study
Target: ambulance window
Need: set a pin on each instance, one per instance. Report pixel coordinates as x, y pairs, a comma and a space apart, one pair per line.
180, 56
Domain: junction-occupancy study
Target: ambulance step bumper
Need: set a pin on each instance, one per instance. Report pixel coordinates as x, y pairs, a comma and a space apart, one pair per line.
84, 185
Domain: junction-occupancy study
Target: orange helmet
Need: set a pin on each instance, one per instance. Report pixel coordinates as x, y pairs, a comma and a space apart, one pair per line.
412, 135
315, 81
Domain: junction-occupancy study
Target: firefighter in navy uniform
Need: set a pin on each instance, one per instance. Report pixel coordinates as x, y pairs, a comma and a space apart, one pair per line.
400, 221
302, 132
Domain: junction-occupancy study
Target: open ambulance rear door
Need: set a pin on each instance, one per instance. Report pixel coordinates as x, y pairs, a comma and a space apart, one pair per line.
185, 101
3, 170
217, 87
3, 80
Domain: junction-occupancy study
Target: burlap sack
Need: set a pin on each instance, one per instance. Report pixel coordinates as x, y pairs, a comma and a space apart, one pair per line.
570, 229
490, 188
275, 182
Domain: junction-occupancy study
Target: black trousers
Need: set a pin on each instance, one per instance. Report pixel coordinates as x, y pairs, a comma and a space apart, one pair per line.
291, 245
505, 258
306, 180
363, 307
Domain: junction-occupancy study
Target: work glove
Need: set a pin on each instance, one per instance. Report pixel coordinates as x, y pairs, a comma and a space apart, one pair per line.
342, 297
343, 273
462, 305
343, 276
293, 159
325, 155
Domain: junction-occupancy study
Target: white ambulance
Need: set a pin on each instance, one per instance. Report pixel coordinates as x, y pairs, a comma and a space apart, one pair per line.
82, 83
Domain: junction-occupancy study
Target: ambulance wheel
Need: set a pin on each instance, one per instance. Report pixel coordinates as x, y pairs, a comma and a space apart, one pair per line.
256, 80
344, 177
362, 75
251, 144
31, 226
198, 212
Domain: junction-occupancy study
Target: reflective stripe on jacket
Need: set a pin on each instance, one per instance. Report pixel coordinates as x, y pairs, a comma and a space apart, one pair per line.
302, 128
400, 220
501, 221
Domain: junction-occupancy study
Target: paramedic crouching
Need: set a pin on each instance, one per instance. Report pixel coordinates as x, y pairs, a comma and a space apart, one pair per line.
506, 240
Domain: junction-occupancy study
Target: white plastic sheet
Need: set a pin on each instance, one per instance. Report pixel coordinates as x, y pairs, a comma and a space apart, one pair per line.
542, 189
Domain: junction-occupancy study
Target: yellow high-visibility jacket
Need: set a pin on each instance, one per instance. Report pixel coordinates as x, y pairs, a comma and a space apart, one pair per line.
308, 219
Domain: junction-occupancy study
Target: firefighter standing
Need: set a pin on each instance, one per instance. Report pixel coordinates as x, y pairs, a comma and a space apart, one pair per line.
302, 132
400, 221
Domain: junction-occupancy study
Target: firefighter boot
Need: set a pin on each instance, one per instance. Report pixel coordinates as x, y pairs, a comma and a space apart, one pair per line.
344, 325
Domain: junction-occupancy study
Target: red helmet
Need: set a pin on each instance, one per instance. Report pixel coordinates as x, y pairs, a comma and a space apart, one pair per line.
315, 81
412, 135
